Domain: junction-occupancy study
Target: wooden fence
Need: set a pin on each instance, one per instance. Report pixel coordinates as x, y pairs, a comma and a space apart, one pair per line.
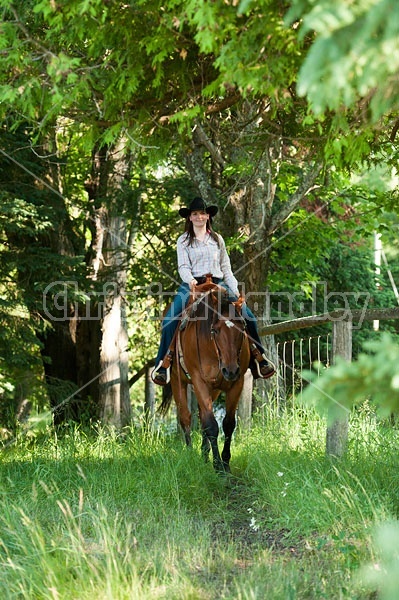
342, 322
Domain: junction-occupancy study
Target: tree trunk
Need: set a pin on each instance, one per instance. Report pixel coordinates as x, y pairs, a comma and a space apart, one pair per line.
115, 406
149, 402
109, 268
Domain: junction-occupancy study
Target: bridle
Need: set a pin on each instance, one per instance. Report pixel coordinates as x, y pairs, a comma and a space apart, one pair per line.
228, 323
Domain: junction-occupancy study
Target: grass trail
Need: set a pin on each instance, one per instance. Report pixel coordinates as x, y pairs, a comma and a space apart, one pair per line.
85, 515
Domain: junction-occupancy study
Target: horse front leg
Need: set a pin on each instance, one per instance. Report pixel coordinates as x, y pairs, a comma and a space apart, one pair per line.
229, 423
205, 446
209, 425
210, 430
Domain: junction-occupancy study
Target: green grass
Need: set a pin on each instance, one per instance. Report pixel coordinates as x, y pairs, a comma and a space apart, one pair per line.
88, 515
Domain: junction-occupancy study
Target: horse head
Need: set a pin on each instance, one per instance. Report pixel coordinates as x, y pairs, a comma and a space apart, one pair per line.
228, 334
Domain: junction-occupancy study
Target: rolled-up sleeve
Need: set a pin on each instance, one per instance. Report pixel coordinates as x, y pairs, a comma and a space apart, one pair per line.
225, 267
183, 261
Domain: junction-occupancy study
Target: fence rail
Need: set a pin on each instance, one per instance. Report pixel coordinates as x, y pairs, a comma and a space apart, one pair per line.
335, 316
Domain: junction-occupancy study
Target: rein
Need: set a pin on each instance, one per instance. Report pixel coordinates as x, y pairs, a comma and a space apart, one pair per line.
228, 323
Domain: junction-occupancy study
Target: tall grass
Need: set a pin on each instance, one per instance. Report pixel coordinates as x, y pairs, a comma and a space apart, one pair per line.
94, 514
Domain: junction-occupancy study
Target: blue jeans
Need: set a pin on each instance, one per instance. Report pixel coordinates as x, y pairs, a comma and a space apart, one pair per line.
172, 318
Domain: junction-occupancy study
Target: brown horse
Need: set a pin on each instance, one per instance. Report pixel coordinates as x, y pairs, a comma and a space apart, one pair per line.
212, 353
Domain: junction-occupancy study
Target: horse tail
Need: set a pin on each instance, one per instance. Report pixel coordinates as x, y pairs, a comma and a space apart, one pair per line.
166, 399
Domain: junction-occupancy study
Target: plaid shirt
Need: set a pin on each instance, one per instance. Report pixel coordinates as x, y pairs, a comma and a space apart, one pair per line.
205, 257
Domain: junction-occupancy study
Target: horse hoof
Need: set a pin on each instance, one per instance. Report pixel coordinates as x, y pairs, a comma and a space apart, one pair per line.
222, 469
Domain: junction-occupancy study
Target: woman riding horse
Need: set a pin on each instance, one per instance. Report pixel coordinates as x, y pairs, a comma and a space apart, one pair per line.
212, 354
201, 251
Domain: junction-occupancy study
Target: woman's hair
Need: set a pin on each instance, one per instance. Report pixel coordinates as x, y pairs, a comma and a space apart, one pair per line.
189, 229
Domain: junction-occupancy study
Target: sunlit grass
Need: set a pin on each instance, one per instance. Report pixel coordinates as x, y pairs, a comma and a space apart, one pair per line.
102, 515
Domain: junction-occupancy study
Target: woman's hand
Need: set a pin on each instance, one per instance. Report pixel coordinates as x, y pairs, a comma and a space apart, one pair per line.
192, 284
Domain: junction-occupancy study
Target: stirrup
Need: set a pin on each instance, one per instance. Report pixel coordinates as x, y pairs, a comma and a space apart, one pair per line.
258, 358
269, 363
155, 370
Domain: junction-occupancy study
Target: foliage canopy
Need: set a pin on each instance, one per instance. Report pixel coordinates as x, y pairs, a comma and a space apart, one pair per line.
353, 57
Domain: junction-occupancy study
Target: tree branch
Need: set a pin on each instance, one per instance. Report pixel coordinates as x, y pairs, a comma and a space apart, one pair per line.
200, 137
141, 372
287, 209
210, 109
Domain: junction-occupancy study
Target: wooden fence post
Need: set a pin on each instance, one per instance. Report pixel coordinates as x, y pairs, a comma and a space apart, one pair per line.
244, 410
337, 432
149, 402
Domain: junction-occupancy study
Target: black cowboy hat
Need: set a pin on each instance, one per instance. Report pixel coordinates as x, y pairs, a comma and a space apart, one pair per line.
198, 204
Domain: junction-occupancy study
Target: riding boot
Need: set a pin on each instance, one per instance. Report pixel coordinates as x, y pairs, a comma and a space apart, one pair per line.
259, 365
167, 361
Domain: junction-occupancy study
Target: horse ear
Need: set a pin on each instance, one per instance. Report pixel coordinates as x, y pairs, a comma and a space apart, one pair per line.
214, 298
238, 303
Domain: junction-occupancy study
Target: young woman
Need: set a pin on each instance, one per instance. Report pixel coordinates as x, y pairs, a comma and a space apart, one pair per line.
199, 251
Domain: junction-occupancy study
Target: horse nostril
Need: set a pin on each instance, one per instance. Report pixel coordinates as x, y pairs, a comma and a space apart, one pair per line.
237, 373
230, 374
